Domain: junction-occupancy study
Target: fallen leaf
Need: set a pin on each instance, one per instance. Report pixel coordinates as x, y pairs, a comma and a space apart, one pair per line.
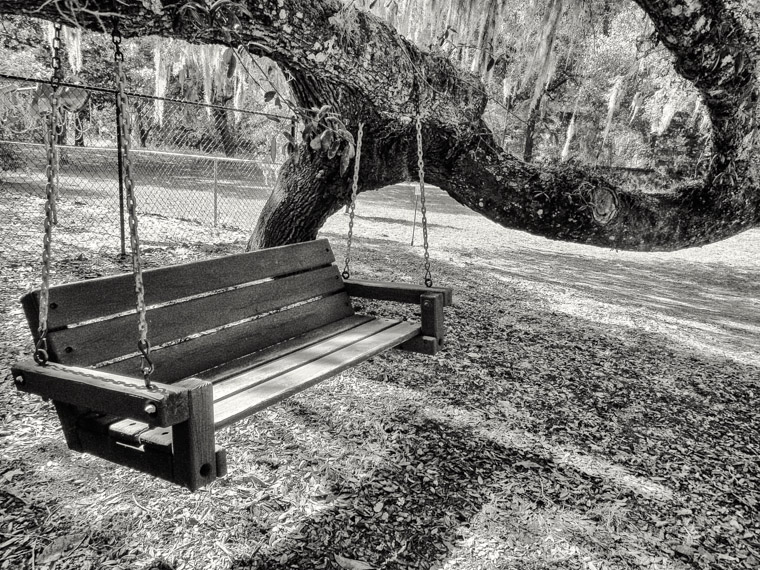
56, 549
351, 564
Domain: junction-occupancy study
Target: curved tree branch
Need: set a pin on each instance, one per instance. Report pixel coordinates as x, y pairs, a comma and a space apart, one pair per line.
367, 72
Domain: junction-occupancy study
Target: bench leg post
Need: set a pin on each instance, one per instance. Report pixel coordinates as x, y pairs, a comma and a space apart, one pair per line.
432, 316
432, 330
194, 451
68, 416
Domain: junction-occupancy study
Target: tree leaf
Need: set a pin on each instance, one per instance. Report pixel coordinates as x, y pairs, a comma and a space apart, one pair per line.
56, 549
269, 95
273, 149
351, 564
316, 143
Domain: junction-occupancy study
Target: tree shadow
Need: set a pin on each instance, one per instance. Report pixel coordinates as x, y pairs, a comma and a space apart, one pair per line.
647, 370
434, 478
405, 223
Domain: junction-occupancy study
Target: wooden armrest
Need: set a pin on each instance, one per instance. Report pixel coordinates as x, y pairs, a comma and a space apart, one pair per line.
398, 292
163, 406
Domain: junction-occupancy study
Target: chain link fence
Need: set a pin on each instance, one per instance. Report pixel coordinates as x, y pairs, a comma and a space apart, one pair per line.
202, 172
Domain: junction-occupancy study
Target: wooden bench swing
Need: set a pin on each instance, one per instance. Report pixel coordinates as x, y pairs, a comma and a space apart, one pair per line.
231, 336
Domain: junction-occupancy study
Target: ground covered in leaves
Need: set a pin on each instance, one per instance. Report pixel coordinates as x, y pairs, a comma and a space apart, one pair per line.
592, 409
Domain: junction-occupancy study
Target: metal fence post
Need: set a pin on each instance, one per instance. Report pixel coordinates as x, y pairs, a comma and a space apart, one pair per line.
216, 210
119, 166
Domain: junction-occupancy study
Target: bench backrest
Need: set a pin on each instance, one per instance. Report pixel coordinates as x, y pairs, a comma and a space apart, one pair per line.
200, 314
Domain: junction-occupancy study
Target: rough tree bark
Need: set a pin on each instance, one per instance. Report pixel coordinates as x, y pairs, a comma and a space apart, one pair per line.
366, 72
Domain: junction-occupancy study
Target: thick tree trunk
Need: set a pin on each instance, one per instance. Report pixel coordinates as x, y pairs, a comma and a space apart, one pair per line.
366, 72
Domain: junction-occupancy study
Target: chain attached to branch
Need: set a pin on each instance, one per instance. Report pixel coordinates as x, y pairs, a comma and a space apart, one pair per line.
51, 138
354, 187
124, 125
423, 209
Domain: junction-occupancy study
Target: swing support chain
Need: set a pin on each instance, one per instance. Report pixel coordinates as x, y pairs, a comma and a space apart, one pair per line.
352, 208
51, 134
423, 209
122, 102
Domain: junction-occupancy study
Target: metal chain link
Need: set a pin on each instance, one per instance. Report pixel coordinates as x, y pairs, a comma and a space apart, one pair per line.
51, 135
355, 185
423, 209
122, 102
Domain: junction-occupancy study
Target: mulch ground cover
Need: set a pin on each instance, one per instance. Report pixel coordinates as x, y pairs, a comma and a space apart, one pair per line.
591, 409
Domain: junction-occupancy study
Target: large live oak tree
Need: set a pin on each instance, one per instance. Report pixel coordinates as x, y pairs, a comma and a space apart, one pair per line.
366, 72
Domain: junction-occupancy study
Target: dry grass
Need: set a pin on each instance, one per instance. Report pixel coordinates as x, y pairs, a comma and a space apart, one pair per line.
593, 409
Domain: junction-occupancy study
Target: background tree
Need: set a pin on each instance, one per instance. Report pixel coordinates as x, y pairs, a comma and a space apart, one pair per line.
344, 57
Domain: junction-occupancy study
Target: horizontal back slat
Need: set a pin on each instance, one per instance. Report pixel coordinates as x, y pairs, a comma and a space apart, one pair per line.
103, 340
196, 355
94, 298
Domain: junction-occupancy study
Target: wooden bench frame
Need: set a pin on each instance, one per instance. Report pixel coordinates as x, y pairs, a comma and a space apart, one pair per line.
168, 431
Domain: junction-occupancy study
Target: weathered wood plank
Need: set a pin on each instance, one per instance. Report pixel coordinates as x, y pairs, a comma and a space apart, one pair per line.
93, 298
196, 355
157, 439
249, 361
428, 345
103, 340
97, 422
286, 363
32, 312
152, 463
129, 431
259, 397
398, 292
103, 392
194, 450
221, 462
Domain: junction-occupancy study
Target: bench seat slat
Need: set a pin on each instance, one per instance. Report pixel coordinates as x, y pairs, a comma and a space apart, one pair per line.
232, 386
229, 410
291, 372
93, 298
196, 355
286, 363
249, 361
103, 340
